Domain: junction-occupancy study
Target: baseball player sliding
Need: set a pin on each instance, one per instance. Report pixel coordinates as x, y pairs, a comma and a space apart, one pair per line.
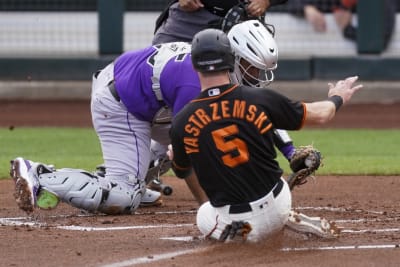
222, 146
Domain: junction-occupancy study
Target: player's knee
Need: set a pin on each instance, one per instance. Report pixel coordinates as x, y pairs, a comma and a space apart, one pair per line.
122, 199
206, 218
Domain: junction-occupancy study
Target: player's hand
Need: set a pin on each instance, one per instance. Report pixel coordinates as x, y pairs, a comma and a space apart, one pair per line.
257, 8
315, 17
190, 5
344, 88
170, 152
342, 18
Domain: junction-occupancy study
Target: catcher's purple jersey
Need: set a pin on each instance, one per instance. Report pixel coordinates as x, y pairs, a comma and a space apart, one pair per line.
226, 134
133, 72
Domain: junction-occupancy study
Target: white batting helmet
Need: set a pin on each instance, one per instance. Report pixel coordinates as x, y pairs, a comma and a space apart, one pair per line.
253, 42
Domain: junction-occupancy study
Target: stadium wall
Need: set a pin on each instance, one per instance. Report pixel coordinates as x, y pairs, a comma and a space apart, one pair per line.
64, 46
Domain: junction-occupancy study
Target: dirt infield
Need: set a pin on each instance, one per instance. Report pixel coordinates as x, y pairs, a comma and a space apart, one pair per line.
367, 209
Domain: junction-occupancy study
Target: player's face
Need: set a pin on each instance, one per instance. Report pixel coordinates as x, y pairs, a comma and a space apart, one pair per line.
250, 73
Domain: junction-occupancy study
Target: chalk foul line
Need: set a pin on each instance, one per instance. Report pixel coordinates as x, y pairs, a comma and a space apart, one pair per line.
169, 255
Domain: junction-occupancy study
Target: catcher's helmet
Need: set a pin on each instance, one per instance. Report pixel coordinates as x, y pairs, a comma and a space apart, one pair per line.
211, 51
252, 41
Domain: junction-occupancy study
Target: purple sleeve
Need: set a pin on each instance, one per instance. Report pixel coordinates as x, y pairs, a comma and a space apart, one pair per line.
184, 95
179, 83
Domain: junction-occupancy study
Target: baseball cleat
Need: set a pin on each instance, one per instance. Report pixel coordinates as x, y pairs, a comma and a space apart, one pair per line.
151, 198
26, 183
320, 227
239, 229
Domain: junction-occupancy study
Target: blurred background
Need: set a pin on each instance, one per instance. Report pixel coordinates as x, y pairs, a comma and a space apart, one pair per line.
68, 40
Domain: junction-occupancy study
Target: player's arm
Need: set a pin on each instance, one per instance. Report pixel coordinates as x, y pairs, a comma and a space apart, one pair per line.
183, 169
323, 111
194, 186
259, 7
190, 5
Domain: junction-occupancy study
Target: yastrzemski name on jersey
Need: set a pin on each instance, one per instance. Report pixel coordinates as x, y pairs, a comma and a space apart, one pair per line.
236, 109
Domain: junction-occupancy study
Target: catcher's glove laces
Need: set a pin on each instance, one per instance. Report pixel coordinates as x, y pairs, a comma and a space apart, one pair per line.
304, 162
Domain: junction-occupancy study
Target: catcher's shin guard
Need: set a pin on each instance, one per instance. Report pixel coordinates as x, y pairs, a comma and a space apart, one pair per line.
76, 187
123, 196
85, 191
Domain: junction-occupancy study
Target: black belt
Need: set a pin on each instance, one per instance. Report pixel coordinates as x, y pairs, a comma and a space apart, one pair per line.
240, 208
113, 91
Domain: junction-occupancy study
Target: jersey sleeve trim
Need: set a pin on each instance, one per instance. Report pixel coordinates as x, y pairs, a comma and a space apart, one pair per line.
217, 96
304, 115
180, 172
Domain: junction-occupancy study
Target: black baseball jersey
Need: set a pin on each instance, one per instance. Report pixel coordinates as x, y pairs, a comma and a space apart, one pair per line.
226, 135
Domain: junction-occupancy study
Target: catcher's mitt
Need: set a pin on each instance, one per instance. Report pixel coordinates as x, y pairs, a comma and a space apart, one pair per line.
304, 162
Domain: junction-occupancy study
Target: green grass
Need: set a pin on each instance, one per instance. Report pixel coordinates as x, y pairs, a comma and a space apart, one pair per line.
63, 147
345, 152
358, 152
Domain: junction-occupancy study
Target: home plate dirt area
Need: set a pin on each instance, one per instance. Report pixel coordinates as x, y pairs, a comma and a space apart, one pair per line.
368, 215
365, 208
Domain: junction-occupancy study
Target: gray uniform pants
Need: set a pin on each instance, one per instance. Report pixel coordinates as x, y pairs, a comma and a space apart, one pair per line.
182, 26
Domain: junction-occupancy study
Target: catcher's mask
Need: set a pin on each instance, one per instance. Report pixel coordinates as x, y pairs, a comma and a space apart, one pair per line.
211, 51
252, 42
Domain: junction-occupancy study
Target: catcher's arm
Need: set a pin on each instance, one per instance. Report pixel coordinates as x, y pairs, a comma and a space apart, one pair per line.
304, 162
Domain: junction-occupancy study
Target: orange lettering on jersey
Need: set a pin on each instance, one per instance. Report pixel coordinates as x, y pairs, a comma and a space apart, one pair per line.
215, 116
251, 113
260, 120
225, 109
190, 150
266, 128
202, 116
238, 109
192, 130
191, 145
195, 122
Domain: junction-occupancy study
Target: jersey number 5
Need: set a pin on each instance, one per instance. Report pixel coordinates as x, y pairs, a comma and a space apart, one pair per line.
235, 149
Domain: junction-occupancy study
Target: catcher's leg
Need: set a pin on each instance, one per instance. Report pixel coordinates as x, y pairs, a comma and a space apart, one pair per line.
153, 180
284, 143
125, 140
38, 185
81, 189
